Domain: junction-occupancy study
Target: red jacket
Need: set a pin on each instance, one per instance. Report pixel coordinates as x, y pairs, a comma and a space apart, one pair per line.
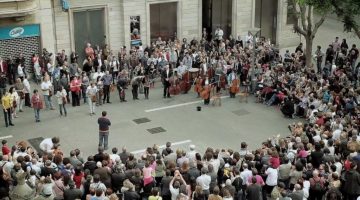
36, 101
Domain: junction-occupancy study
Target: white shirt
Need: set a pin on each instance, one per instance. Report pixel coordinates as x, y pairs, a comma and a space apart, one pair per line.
46, 86
272, 177
26, 85
91, 91
174, 192
113, 157
245, 175
46, 145
20, 71
204, 181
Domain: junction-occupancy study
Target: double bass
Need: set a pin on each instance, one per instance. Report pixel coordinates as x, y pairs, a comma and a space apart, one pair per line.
185, 84
174, 89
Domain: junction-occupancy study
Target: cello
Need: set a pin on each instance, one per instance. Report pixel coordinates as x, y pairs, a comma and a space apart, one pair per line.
198, 85
234, 88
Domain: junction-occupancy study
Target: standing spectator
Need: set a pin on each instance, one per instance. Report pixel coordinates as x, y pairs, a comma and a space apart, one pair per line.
204, 181
15, 99
20, 89
37, 104
46, 87
317, 186
75, 89
72, 192
85, 82
20, 72
7, 105
107, 80
91, 92
62, 100
253, 191
271, 180
319, 55
317, 156
352, 183
104, 124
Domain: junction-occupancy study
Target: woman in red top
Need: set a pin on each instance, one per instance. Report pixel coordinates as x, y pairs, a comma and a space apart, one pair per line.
275, 160
78, 176
37, 104
75, 88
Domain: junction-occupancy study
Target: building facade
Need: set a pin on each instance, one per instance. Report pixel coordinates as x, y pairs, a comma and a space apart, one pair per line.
120, 23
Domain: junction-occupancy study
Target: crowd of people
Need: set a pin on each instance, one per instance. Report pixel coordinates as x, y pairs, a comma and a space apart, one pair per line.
320, 158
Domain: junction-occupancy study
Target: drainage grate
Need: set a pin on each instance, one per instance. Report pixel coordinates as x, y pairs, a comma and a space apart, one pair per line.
156, 130
241, 112
141, 120
35, 142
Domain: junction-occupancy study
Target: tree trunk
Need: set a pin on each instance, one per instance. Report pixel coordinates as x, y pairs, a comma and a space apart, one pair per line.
308, 51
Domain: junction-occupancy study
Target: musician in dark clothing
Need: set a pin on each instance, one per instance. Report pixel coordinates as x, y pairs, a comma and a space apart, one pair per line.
12, 70
288, 108
165, 76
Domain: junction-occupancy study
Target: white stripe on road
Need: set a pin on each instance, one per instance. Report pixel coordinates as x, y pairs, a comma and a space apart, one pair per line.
6, 137
162, 146
179, 105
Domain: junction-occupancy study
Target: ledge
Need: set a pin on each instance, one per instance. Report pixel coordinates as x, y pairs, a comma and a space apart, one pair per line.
17, 8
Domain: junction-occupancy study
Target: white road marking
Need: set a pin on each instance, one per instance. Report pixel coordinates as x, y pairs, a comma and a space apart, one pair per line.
6, 137
162, 146
179, 105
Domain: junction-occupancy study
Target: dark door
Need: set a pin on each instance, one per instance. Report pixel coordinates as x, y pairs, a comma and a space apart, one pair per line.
217, 13
266, 18
89, 27
163, 21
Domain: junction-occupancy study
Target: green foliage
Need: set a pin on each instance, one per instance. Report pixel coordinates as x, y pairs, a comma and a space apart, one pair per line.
348, 11
320, 6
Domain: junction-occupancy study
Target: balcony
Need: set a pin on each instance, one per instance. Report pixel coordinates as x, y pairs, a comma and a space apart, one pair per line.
17, 8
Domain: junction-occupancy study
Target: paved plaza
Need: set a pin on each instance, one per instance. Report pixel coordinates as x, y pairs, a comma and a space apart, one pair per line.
221, 127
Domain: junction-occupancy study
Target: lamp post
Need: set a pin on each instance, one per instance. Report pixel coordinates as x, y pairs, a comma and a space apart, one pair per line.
254, 33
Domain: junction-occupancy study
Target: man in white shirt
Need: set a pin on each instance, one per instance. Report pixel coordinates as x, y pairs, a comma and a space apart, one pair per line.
181, 69
219, 33
114, 156
192, 153
27, 92
91, 92
47, 144
204, 181
46, 87
245, 174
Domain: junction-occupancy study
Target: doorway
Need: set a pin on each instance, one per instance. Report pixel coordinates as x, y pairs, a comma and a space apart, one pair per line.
89, 27
266, 18
163, 21
217, 13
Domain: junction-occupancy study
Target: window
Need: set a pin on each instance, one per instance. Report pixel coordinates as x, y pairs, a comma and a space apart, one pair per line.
290, 13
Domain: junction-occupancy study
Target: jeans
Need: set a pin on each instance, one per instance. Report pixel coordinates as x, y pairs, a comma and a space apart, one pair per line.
48, 102
106, 93
84, 96
7, 116
27, 100
75, 98
103, 139
92, 105
319, 69
61, 107
37, 114
135, 91
146, 92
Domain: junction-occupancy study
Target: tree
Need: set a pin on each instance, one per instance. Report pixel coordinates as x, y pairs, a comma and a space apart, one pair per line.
305, 26
348, 11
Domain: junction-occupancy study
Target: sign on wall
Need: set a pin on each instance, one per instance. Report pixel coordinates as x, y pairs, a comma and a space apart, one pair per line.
24, 31
135, 30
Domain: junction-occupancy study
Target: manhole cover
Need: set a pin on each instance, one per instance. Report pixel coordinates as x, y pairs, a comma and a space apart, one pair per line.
35, 142
141, 120
156, 130
241, 112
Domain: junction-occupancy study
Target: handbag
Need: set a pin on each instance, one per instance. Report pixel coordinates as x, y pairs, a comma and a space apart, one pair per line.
141, 89
64, 100
14, 104
22, 95
93, 98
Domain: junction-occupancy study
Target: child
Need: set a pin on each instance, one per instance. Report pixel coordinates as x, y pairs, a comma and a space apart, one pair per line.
62, 100
5, 148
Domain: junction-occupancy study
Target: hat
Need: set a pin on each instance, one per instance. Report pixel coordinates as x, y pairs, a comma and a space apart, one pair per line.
192, 147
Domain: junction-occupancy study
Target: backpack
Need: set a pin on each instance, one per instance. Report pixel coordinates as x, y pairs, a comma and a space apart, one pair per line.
318, 186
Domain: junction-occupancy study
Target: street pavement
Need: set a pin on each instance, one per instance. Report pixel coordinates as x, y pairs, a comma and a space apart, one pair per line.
220, 127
